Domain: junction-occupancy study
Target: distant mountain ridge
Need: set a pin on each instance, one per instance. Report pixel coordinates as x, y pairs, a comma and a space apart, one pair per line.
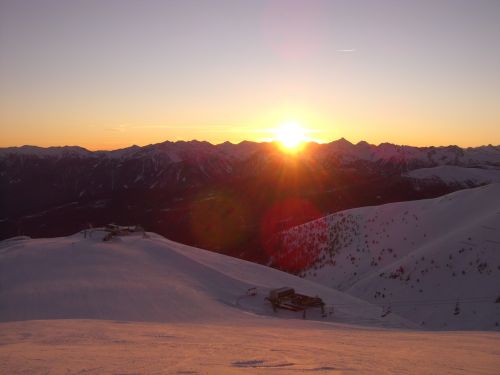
170, 187
341, 148
193, 163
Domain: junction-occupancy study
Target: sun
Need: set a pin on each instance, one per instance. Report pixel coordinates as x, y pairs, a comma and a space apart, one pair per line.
290, 136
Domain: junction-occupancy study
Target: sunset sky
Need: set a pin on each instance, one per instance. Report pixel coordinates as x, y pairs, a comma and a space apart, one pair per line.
106, 74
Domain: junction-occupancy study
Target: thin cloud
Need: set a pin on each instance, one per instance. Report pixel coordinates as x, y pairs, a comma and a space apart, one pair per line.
116, 129
347, 50
149, 127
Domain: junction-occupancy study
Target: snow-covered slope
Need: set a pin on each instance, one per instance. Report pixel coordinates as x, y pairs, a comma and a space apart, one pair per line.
455, 175
149, 279
435, 262
152, 306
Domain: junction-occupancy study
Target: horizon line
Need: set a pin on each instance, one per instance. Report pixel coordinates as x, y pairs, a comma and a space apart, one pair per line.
238, 143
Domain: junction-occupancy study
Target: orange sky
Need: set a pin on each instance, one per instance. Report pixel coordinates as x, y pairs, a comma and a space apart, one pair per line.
106, 75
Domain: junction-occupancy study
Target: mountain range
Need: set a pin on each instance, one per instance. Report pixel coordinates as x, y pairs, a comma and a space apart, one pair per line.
172, 187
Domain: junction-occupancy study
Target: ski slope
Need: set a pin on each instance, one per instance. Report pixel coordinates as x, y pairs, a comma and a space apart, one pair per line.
134, 305
149, 279
435, 262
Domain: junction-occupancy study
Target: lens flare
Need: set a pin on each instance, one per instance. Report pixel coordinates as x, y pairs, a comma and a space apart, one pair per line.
217, 221
292, 256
